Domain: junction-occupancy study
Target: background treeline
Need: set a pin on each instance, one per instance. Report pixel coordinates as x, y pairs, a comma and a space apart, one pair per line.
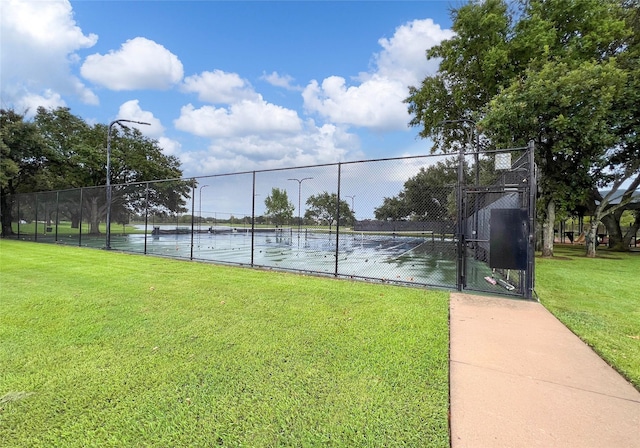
57, 150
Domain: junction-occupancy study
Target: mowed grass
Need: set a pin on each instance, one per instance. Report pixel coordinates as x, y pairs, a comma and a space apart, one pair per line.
64, 229
598, 299
104, 349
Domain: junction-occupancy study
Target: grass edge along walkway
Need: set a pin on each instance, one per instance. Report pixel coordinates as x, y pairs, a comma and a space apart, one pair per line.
598, 299
105, 349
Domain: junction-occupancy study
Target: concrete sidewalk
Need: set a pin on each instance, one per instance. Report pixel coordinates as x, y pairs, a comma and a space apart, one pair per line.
519, 378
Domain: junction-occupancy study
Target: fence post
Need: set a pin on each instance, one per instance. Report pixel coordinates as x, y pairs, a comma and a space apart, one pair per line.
146, 215
338, 220
460, 229
253, 216
18, 202
530, 273
193, 207
57, 212
81, 218
35, 235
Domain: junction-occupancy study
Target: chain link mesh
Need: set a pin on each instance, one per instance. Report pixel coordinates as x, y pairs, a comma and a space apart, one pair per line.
391, 220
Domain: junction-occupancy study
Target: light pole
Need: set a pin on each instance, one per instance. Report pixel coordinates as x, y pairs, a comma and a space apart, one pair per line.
200, 212
299, 195
353, 209
119, 121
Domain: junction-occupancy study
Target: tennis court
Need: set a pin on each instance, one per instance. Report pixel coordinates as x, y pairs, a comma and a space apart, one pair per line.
424, 260
348, 221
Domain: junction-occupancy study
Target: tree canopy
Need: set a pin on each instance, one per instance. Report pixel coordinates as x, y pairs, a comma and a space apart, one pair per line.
427, 196
325, 208
278, 207
557, 72
58, 150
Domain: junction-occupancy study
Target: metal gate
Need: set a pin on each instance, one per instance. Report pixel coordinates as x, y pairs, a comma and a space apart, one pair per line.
495, 243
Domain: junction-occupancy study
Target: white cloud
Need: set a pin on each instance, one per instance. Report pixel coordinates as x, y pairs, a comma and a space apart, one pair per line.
39, 44
316, 145
29, 102
277, 80
377, 101
170, 147
240, 119
131, 110
140, 63
219, 87
404, 57
47, 24
251, 133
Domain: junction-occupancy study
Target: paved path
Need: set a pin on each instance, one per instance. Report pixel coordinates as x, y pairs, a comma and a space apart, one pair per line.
519, 378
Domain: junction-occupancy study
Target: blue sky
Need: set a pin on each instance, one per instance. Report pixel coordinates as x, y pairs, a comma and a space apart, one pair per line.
229, 86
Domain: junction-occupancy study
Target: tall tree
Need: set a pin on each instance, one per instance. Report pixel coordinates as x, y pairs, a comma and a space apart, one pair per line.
58, 150
21, 160
279, 208
626, 155
68, 139
72, 163
326, 209
604, 205
430, 194
533, 73
427, 196
474, 65
567, 110
394, 208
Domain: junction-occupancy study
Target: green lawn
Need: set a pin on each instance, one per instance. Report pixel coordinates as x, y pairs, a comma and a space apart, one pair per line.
598, 299
64, 228
104, 349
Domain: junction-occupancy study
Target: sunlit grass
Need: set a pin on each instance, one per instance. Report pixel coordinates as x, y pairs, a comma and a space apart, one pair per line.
64, 228
598, 299
104, 349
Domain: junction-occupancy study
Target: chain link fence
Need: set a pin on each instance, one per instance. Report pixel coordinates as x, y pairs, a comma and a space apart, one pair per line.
388, 220
499, 215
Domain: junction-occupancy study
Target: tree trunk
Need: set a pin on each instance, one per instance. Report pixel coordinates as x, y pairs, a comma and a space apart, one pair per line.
592, 237
539, 226
618, 240
547, 231
612, 223
6, 216
631, 233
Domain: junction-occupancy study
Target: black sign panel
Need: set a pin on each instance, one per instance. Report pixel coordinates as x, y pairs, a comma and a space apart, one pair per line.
509, 236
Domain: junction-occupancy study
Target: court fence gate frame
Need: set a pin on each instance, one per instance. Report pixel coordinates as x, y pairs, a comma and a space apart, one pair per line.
474, 235
497, 226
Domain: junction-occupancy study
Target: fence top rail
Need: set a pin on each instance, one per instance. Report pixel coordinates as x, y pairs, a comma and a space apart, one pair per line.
322, 165
492, 151
351, 162
267, 170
